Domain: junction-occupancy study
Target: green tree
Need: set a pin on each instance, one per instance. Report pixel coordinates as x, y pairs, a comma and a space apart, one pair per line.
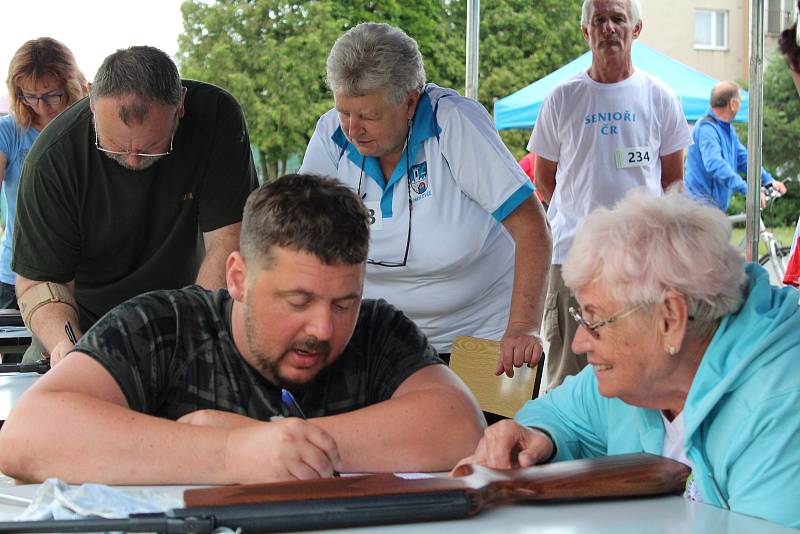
431, 23
780, 137
271, 56
522, 41
781, 121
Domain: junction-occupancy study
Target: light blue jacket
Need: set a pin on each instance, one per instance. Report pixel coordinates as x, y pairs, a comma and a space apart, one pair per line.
714, 161
741, 417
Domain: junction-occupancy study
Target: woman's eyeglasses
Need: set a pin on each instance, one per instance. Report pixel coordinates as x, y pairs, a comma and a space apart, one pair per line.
593, 326
51, 99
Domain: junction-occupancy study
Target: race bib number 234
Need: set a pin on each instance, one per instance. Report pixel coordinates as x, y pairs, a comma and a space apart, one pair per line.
638, 156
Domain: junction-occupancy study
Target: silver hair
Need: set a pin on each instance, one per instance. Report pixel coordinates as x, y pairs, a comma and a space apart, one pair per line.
371, 57
649, 245
143, 71
634, 11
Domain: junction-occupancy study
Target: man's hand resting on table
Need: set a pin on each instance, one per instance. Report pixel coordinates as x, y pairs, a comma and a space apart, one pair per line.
509, 445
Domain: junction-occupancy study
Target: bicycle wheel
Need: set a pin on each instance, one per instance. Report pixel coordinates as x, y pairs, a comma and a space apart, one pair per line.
776, 269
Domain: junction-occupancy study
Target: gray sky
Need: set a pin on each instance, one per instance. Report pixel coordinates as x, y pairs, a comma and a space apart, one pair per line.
92, 29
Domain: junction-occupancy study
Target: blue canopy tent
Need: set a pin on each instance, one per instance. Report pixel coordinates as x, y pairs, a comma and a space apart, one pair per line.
520, 109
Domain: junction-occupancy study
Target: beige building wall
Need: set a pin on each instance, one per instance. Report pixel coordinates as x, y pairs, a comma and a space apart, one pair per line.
668, 26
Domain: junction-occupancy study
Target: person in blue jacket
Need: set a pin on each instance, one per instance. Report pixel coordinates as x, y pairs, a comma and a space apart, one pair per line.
716, 158
693, 356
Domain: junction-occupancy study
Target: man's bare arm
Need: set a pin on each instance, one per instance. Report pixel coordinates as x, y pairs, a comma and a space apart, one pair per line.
671, 169
47, 322
219, 244
521, 343
430, 420
545, 172
74, 424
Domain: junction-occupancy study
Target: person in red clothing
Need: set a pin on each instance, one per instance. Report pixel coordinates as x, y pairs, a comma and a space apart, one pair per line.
789, 44
792, 275
527, 163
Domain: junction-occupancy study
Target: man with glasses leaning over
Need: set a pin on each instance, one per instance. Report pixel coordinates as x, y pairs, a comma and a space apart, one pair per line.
139, 187
458, 241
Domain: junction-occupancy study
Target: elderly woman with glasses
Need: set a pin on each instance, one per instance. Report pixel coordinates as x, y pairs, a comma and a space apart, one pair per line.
693, 356
43, 80
458, 241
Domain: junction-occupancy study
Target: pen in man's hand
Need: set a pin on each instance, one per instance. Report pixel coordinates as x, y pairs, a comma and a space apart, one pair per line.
291, 405
70, 332
294, 409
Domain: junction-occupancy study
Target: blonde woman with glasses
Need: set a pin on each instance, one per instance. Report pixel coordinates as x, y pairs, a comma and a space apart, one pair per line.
43, 80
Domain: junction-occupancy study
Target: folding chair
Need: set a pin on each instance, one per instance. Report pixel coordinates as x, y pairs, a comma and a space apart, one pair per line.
474, 361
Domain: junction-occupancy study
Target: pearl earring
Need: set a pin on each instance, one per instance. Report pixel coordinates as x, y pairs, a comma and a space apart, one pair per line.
672, 350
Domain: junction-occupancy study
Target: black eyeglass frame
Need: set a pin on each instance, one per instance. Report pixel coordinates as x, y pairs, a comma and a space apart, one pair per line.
393, 264
33, 100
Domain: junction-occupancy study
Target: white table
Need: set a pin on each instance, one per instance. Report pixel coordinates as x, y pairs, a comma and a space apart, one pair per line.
12, 386
657, 515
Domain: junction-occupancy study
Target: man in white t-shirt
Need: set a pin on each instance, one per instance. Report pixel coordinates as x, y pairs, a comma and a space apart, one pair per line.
598, 135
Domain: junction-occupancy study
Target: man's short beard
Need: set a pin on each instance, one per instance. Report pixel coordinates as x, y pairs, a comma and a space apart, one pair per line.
270, 367
145, 163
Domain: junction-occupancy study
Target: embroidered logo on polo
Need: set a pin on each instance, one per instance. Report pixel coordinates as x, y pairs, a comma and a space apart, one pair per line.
420, 181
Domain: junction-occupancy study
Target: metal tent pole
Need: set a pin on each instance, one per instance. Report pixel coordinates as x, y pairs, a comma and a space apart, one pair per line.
754, 128
473, 38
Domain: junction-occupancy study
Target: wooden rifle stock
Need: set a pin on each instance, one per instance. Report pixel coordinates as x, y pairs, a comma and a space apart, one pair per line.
611, 476
384, 498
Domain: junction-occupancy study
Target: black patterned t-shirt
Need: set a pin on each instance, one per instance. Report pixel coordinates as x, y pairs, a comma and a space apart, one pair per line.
172, 352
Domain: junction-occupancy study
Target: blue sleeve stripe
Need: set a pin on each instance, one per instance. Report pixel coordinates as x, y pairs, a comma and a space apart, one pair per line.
517, 198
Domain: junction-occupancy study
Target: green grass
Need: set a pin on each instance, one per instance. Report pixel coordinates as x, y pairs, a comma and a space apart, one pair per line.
783, 234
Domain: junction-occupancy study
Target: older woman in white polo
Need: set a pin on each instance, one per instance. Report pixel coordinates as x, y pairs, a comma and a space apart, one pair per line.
458, 242
693, 356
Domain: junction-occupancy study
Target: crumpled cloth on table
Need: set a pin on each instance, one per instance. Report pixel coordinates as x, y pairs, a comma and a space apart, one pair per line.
55, 499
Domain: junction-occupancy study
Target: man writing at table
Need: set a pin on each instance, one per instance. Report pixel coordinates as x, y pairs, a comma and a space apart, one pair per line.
292, 317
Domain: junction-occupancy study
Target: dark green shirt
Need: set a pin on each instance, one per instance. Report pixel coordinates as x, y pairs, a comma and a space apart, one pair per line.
172, 352
119, 232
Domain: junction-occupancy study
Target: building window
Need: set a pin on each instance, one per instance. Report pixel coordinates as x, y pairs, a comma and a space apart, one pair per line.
780, 15
711, 29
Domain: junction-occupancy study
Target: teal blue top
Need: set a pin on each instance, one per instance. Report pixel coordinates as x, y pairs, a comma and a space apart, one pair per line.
15, 142
741, 416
